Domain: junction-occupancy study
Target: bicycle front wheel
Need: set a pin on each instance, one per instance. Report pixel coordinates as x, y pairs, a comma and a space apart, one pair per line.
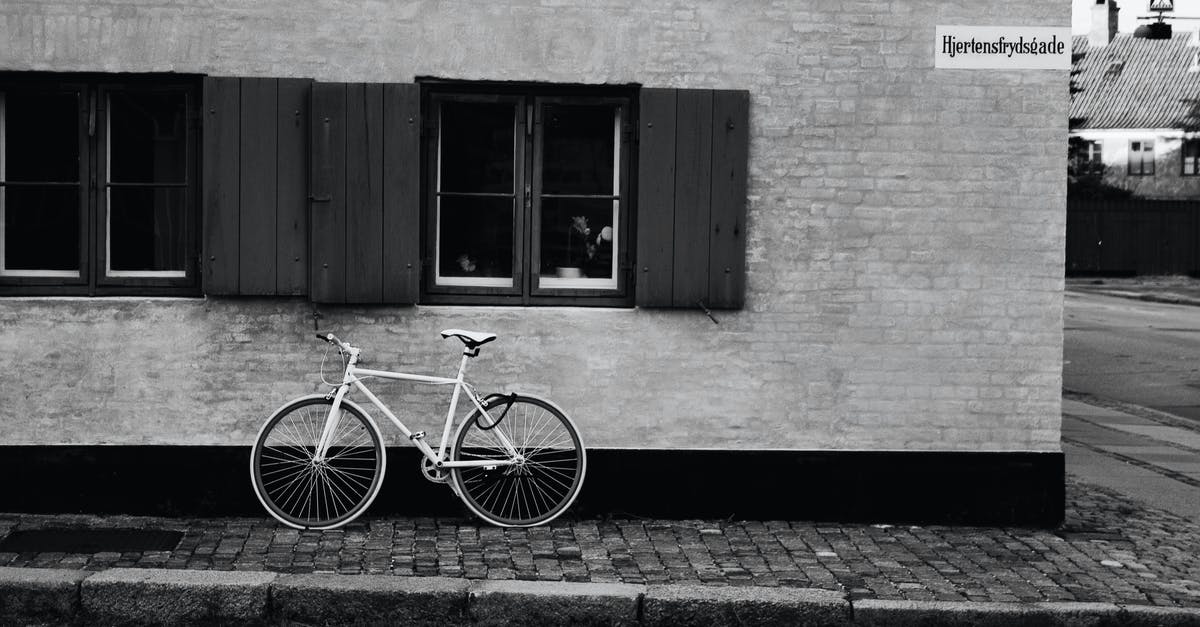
302, 492
542, 484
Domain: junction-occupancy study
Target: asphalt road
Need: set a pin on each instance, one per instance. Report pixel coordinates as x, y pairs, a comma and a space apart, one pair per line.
1139, 352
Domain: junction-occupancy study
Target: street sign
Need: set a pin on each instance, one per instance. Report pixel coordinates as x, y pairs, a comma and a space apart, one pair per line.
1002, 47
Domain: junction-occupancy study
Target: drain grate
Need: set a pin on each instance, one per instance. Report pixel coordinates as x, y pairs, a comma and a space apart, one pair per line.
90, 541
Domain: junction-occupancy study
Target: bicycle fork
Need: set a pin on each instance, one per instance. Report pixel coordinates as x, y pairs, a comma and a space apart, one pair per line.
331, 424
335, 415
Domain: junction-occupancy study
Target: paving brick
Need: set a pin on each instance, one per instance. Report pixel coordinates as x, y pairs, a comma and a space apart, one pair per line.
1156, 549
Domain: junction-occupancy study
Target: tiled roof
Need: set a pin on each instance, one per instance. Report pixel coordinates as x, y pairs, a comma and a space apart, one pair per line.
1135, 83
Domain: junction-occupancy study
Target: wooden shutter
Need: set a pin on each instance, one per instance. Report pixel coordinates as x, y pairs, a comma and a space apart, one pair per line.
364, 188
692, 163
255, 181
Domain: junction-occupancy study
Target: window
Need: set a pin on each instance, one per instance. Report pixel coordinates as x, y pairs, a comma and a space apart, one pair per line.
1191, 157
1089, 158
1141, 158
97, 186
527, 196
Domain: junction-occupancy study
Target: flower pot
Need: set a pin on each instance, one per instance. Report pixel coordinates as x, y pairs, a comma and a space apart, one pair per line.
568, 272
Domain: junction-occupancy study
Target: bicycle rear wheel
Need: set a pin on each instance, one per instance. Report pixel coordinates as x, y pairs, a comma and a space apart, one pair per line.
531, 492
303, 493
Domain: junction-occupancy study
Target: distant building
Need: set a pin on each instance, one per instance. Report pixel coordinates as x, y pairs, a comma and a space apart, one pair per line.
1135, 108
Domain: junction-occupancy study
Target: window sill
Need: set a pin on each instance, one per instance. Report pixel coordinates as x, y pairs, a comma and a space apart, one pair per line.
456, 309
101, 298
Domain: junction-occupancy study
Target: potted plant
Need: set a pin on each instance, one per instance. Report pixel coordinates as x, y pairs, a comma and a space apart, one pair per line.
577, 243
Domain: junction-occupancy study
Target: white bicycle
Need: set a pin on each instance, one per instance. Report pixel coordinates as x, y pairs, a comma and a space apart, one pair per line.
318, 461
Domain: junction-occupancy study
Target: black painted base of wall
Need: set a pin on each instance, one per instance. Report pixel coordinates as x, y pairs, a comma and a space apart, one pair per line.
1023, 489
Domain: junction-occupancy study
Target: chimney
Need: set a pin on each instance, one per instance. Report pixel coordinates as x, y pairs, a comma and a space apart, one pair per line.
1104, 22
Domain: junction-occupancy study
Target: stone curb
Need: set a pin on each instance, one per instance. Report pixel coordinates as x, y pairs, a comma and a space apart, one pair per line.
154, 596
166, 596
50, 594
385, 599
554, 603
984, 614
707, 605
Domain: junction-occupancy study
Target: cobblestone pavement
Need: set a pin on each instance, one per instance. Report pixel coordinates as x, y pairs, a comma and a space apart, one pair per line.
1109, 549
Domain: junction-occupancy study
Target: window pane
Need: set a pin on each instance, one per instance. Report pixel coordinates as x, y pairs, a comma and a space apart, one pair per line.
477, 147
577, 238
578, 144
41, 136
147, 137
41, 228
475, 237
146, 229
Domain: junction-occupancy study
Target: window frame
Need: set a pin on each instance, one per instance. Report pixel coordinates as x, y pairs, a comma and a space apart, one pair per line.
26, 284
93, 122
526, 290
1183, 156
1093, 159
1145, 166
104, 185
623, 173
519, 194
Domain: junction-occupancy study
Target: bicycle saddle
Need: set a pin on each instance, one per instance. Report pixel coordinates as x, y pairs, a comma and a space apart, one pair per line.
471, 338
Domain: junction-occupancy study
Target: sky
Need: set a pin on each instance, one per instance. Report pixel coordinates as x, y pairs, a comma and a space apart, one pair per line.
1081, 14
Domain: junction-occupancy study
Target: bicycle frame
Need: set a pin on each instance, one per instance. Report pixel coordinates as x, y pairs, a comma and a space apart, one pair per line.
353, 378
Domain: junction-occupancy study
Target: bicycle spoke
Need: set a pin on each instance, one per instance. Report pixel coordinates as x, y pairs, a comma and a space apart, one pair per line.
491, 489
350, 478
547, 469
336, 493
300, 476
542, 446
546, 497
278, 456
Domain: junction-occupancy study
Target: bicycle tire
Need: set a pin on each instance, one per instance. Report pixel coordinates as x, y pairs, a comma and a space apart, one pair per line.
302, 494
534, 492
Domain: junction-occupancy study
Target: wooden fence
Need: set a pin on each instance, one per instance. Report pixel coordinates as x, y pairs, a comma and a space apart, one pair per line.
1132, 236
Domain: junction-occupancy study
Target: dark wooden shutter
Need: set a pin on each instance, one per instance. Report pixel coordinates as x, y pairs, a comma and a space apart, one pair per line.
364, 238
221, 178
692, 163
254, 182
401, 193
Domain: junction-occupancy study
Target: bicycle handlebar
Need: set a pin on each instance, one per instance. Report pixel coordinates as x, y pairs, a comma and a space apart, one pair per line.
333, 339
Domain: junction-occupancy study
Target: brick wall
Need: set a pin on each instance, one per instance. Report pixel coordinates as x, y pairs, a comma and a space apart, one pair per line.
905, 232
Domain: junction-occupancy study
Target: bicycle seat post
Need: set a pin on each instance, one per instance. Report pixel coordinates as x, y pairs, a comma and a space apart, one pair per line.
467, 353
